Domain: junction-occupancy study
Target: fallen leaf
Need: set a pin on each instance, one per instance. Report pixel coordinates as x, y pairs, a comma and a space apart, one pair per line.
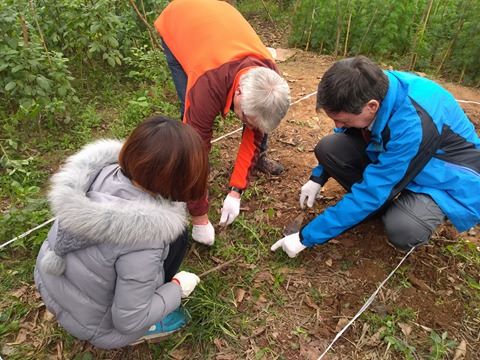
21, 336
264, 276
329, 262
406, 329
239, 295
341, 324
310, 303
375, 338
47, 316
461, 351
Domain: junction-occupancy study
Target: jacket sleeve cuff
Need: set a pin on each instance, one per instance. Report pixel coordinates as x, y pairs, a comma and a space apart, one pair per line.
170, 294
300, 235
322, 179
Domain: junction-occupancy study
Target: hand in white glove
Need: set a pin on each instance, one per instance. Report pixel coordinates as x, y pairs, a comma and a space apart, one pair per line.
204, 234
290, 244
187, 282
309, 191
230, 210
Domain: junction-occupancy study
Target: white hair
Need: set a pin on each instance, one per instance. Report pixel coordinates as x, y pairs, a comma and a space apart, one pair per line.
265, 96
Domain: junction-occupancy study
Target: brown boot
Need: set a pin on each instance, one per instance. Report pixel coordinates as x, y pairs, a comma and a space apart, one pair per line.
269, 166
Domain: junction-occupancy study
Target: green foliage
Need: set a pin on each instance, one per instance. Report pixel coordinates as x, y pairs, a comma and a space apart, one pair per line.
45, 45
19, 179
390, 330
149, 65
441, 345
418, 34
33, 79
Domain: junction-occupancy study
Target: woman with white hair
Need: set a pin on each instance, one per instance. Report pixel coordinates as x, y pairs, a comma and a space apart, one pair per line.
218, 64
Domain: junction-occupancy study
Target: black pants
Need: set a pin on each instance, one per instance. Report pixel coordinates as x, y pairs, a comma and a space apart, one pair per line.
175, 256
409, 220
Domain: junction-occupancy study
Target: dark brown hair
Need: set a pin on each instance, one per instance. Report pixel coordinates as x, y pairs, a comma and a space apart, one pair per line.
351, 83
166, 157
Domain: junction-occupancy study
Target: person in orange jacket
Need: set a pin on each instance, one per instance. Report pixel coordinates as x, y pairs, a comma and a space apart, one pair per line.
218, 63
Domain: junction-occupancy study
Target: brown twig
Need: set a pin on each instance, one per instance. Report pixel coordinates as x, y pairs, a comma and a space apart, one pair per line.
24, 30
221, 266
32, 9
153, 41
269, 16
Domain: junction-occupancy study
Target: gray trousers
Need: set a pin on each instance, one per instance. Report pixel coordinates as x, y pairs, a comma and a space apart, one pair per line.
409, 219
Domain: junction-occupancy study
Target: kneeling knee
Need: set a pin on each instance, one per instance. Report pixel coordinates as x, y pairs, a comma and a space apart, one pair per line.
325, 147
404, 232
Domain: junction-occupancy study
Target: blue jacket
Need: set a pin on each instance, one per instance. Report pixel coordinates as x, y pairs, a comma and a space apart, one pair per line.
421, 141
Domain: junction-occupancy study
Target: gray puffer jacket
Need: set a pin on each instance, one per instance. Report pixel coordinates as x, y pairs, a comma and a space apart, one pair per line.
100, 271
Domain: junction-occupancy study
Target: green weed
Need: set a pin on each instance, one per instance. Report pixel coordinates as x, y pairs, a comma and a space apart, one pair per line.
441, 345
391, 335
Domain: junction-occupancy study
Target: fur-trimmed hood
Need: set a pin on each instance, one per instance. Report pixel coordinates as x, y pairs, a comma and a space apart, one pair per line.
145, 220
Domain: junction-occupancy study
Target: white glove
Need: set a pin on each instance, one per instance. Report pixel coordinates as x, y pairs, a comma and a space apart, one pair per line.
230, 210
187, 281
309, 191
204, 234
290, 244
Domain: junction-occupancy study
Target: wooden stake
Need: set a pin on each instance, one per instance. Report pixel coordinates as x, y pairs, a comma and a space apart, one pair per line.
339, 29
419, 37
310, 31
346, 36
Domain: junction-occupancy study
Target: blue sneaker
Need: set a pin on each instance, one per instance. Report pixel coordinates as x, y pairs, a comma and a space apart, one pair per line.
170, 324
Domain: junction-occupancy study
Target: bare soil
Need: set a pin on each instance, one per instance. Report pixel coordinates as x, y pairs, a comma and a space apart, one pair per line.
347, 270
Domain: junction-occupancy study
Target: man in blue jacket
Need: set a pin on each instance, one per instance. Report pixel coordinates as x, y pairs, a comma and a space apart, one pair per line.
402, 147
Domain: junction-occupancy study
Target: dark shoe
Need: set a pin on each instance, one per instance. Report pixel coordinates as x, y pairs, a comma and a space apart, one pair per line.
269, 166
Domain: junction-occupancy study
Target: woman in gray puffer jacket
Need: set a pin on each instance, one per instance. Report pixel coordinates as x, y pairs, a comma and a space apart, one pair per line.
106, 270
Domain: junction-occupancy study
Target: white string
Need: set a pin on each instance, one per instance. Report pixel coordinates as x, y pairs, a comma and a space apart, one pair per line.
27, 233
303, 98
366, 305
224, 136
469, 102
213, 141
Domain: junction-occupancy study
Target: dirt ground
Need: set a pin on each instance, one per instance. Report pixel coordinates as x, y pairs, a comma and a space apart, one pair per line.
334, 280
348, 269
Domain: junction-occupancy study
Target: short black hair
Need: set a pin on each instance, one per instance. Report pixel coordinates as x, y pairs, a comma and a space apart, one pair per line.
351, 83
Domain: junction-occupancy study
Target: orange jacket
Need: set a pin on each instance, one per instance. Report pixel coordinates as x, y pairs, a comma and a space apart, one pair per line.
215, 45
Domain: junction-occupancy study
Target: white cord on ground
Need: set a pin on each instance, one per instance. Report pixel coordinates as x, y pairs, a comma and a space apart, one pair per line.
366, 305
468, 102
213, 141
226, 135
303, 98
27, 233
